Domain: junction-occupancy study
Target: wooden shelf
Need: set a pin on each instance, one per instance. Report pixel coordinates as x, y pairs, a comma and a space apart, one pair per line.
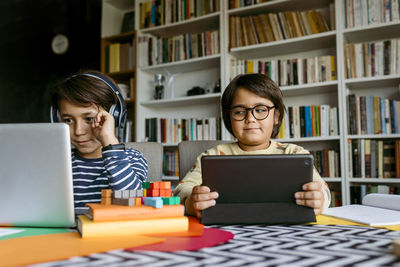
277, 6
372, 32
373, 82
121, 4
291, 46
188, 65
329, 180
311, 88
184, 101
309, 139
375, 180
373, 136
194, 25
122, 37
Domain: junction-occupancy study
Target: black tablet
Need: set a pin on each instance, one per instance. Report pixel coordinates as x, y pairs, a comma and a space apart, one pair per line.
257, 188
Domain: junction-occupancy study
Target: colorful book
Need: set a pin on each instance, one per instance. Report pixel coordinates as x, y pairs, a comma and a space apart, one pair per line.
88, 228
99, 213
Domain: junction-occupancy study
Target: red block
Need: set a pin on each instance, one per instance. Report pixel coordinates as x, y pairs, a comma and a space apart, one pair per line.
155, 185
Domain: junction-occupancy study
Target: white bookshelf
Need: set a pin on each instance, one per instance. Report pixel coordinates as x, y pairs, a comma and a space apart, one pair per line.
207, 70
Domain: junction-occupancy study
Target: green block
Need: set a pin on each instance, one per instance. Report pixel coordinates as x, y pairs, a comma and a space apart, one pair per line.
176, 200
146, 185
167, 201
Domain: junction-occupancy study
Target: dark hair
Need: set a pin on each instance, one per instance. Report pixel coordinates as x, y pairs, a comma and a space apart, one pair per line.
258, 84
85, 90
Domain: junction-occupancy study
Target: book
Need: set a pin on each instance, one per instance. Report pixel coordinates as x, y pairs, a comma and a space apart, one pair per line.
88, 228
99, 212
375, 210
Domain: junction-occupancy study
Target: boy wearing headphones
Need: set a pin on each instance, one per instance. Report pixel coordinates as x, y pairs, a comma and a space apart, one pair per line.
90, 103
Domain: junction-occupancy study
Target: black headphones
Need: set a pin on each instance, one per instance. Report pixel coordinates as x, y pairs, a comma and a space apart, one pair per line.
118, 111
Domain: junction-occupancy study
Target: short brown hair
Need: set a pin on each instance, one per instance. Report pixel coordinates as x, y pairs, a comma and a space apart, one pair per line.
258, 84
85, 90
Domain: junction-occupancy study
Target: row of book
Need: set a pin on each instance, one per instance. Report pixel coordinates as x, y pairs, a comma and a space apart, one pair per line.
360, 13
358, 192
373, 115
327, 162
175, 130
287, 72
250, 30
242, 3
160, 12
370, 158
309, 121
336, 199
158, 50
372, 58
119, 57
171, 162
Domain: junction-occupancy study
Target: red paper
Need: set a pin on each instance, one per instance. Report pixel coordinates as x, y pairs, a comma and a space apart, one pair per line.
211, 237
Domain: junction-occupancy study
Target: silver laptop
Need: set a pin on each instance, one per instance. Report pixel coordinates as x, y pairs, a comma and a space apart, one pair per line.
36, 175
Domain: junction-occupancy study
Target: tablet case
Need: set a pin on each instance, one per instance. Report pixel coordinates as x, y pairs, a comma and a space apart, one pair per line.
257, 189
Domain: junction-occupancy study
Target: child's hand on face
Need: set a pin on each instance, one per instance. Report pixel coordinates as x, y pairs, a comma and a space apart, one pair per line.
103, 128
312, 197
201, 199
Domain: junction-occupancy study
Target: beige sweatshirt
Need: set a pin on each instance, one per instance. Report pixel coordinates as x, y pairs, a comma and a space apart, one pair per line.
193, 177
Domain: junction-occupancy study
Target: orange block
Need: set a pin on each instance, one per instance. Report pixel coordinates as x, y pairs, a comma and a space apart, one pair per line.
138, 201
166, 185
163, 192
168, 193
106, 193
106, 200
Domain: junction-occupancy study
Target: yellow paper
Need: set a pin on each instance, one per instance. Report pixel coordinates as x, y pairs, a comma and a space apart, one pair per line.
52, 247
328, 220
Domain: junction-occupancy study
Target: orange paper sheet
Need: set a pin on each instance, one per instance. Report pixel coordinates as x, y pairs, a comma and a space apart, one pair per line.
44, 248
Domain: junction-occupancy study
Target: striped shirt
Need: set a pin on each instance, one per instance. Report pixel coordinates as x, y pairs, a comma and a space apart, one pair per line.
117, 170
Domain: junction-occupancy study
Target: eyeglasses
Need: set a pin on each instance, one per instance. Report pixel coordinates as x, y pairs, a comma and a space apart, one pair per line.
259, 112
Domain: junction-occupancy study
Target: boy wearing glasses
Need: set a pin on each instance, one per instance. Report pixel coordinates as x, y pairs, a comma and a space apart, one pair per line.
252, 108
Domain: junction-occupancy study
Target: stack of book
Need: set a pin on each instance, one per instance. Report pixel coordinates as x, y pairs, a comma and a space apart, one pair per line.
134, 217
371, 158
175, 130
286, 72
373, 115
371, 59
119, 57
271, 27
309, 121
161, 12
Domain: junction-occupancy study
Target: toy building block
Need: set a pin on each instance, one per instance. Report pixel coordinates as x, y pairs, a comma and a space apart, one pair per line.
106, 200
146, 185
155, 202
165, 185
167, 201
138, 201
106, 193
139, 193
153, 192
117, 194
143, 198
155, 185
176, 200
125, 193
123, 201
132, 193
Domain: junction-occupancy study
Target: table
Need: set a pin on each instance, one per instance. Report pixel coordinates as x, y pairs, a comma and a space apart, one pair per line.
276, 245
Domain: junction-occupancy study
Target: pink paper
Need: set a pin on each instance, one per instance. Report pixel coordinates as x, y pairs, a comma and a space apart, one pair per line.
211, 237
